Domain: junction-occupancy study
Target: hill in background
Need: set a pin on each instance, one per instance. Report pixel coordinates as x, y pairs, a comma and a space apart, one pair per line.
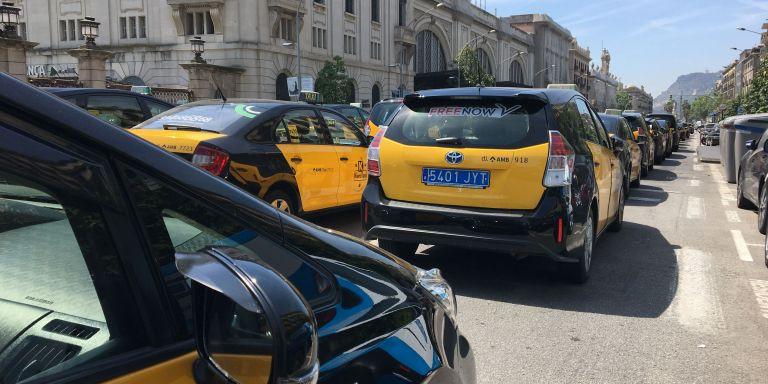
690, 85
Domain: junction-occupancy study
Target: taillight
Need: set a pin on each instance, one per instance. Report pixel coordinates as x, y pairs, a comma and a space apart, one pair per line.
560, 161
374, 165
210, 158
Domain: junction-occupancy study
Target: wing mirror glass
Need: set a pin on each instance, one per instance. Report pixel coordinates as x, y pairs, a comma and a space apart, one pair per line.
751, 145
618, 144
251, 324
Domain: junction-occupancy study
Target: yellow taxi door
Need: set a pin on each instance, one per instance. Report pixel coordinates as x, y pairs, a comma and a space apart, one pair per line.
351, 150
634, 150
601, 157
306, 146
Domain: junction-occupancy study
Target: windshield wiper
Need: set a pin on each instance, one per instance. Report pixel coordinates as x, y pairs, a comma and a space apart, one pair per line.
449, 140
186, 128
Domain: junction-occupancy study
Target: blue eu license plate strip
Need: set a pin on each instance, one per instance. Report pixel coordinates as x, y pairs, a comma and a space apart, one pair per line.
462, 178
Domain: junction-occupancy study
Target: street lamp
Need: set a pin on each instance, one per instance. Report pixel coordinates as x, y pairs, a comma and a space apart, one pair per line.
9, 18
298, 45
748, 30
89, 28
518, 53
198, 47
545, 69
425, 14
400, 80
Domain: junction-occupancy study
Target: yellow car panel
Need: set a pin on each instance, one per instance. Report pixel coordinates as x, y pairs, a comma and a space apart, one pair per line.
373, 128
515, 181
601, 157
251, 369
173, 140
174, 371
637, 159
353, 174
316, 167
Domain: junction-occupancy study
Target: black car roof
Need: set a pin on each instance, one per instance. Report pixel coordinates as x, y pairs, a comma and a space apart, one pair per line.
554, 96
88, 91
609, 116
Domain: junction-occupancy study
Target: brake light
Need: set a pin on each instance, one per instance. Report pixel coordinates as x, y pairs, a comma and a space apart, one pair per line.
210, 158
559, 229
560, 161
374, 165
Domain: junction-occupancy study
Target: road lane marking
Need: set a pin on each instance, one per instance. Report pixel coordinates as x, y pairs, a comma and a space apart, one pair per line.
646, 199
696, 303
760, 288
732, 216
755, 245
741, 245
651, 190
695, 208
694, 183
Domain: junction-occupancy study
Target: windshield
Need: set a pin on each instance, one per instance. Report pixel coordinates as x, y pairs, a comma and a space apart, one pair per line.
511, 124
383, 112
669, 119
221, 118
636, 123
611, 124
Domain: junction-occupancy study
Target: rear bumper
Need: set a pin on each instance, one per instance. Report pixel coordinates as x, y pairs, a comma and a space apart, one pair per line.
521, 233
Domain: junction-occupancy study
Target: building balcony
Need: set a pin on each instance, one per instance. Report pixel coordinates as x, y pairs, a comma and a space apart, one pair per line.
284, 6
404, 36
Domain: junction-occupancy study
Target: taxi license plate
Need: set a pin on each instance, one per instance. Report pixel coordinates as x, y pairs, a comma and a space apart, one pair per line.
462, 178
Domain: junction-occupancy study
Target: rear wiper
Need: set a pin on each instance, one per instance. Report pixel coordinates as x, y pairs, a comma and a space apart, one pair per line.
449, 140
186, 128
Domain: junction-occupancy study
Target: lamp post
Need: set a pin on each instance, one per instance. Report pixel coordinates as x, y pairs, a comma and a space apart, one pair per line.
89, 28
9, 18
198, 47
400, 80
748, 30
543, 70
518, 53
298, 46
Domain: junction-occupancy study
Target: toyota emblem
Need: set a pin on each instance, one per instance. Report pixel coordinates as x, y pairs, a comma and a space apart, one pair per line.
454, 157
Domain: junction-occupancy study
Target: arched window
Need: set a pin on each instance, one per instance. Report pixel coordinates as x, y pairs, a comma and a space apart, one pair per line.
351, 97
133, 80
429, 53
281, 87
375, 94
485, 61
516, 72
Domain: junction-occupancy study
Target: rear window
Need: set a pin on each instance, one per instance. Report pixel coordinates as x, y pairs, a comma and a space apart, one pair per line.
611, 124
473, 124
383, 112
221, 118
636, 123
669, 119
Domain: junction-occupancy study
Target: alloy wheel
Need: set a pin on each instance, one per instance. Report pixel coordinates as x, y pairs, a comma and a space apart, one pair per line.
761, 212
281, 205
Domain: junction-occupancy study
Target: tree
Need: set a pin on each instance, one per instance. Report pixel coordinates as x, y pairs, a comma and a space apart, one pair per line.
756, 98
669, 106
702, 106
333, 83
623, 100
686, 110
472, 73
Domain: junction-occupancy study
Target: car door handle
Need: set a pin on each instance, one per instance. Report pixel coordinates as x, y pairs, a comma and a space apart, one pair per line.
296, 159
344, 158
597, 164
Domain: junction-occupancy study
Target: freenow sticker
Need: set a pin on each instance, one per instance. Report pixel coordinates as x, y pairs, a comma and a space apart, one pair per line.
246, 111
497, 111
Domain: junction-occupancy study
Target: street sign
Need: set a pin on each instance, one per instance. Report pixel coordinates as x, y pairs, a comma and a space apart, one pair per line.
307, 84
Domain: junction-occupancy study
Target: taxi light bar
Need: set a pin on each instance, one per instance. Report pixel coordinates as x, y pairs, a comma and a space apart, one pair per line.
210, 158
374, 165
560, 162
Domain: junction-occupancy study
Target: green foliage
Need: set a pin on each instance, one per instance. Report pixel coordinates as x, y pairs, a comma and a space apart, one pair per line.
669, 106
333, 83
472, 73
686, 110
756, 98
623, 101
702, 106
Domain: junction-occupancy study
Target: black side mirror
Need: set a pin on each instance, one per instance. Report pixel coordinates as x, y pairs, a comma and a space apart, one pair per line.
751, 145
250, 322
618, 143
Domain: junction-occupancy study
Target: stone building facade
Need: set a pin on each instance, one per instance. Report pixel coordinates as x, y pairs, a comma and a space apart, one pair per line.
642, 101
551, 45
604, 84
727, 85
150, 39
578, 72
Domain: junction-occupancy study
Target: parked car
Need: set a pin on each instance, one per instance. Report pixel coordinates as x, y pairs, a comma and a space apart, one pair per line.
441, 174
356, 115
710, 135
118, 107
301, 158
381, 114
640, 131
102, 231
660, 140
631, 157
670, 135
672, 125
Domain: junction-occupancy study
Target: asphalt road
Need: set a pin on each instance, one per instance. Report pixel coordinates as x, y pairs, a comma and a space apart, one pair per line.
680, 295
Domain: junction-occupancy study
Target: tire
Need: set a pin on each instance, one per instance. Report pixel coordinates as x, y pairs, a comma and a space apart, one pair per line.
618, 222
644, 170
398, 248
636, 183
765, 251
762, 215
579, 272
282, 201
742, 201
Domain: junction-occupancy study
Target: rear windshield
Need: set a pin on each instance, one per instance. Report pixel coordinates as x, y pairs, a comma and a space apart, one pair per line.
636, 123
472, 124
221, 118
383, 112
662, 123
669, 119
612, 125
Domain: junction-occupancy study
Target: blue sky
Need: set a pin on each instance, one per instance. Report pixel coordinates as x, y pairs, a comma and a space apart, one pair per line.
653, 41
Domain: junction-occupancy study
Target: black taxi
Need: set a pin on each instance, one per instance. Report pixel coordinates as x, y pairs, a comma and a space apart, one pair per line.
301, 158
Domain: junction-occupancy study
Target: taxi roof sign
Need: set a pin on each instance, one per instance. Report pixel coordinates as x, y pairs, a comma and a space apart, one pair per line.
572, 87
611, 111
310, 97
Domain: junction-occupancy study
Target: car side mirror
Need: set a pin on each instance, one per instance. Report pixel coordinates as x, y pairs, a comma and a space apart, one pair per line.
618, 144
751, 145
251, 324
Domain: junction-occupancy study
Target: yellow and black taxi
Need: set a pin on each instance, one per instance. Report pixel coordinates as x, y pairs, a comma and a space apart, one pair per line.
631, 157
520, 171
299, 157
122, 263
381, 114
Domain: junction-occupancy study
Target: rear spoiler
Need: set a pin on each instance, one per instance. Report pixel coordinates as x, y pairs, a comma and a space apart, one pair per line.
417, 100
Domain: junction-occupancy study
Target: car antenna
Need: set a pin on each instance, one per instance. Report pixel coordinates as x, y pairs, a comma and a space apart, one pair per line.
218, 89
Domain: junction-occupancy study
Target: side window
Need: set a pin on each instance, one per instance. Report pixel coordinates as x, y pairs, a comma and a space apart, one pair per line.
122, 111
156, 108
569, 125
267, 132
602, 133
64, 300
71, 99
588, 128
353, 116
342, 133
303, 127
175, 222
627, 130
364, 114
